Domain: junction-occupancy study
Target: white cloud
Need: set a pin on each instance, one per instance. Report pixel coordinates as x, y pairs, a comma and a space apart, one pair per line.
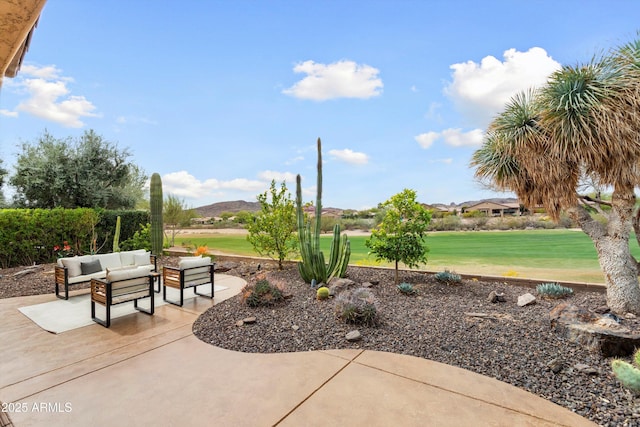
480, 91
350, 156
183, 184
278, 176
453, 137
457, 138
427, 139
8, 113
50, 99
342, 79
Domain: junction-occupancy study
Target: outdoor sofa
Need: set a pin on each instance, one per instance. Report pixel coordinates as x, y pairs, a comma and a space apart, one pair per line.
81, 269
190, 273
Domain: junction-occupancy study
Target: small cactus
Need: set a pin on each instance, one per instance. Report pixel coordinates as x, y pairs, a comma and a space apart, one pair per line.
626, 373
357, 306
448, 277
322, 293
553, 290
116, 236
406, 288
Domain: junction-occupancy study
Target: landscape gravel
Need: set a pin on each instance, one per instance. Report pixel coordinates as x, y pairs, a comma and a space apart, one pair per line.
452, 324
512, 344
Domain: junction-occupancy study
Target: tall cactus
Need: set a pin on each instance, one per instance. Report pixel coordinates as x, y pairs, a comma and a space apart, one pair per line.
157, 226
313, 264
116, 236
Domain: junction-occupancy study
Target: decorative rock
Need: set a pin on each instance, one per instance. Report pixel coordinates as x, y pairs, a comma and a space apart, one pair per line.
353, 336
249, 320
367, 285
337, 285
585, 369
224, 266
526, 299
295, 327
495, 297
239, 323
556, 365
602, 309
593, 331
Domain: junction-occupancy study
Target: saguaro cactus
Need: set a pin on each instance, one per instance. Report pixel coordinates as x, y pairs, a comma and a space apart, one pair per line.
116, 236
313, 264
157, 226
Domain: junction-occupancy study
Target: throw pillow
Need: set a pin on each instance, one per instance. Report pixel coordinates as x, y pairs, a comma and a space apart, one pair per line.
90, 267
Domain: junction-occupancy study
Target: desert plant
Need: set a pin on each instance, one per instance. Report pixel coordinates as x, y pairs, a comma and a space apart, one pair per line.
322, 293
261, 293
448, 277
628, 374
116, 236
357, 306
406, 288
553, 290
313, 264
157, 225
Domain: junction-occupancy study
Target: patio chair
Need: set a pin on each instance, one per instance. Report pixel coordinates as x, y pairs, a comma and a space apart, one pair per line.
190, 273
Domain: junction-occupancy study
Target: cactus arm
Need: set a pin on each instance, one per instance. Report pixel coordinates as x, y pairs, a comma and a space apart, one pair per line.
628, 374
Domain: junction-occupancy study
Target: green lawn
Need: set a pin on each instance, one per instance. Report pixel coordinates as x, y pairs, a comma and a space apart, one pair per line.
544, 254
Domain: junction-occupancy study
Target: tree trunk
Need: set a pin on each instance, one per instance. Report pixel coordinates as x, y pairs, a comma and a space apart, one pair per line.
612, 245
396, 276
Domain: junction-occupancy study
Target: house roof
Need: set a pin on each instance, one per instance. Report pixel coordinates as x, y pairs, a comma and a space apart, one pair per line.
18, 19
493, 205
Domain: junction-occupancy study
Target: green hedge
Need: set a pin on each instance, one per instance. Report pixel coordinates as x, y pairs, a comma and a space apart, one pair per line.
29, 236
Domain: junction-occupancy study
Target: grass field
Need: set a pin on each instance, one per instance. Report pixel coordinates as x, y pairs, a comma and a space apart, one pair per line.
565, 255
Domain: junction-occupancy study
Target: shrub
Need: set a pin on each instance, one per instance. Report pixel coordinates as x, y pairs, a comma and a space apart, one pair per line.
357, 306
448, 277
322, 293
261, 293
406, 288
553, 290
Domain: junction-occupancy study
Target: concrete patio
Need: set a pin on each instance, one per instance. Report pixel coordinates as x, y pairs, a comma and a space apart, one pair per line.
152, 371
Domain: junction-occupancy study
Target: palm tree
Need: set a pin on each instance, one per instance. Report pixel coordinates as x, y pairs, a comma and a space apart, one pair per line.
584, 122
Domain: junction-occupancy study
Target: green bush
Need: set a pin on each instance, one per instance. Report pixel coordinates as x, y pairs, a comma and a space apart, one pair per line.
261, 293
406, 288
357, 306
553, 290
448, 277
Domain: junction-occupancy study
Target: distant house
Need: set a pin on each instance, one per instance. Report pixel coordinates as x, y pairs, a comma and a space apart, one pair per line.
495, 209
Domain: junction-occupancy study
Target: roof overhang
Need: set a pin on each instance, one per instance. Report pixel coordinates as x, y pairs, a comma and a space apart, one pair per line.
18, 19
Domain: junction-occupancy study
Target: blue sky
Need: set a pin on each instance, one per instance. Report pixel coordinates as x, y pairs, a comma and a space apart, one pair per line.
220, 97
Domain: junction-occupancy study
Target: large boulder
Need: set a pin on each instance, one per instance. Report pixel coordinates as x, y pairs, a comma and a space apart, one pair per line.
601, 333
336, 285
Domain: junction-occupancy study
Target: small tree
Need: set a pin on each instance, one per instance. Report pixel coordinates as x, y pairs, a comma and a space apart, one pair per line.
272, 232
400, 236
176, 214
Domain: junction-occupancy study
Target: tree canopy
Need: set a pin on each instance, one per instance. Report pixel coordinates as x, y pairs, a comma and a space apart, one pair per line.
400, 236
582, 124
84, 172
273, 230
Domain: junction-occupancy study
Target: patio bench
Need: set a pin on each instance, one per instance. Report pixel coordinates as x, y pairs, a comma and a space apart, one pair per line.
120, 286
190, 273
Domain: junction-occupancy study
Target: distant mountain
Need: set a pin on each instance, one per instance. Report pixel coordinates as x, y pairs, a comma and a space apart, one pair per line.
216, 209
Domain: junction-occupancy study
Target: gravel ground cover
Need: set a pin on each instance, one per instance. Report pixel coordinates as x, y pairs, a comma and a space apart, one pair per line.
453, 324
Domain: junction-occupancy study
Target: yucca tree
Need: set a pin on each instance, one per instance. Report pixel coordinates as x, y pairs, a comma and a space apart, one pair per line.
584, 122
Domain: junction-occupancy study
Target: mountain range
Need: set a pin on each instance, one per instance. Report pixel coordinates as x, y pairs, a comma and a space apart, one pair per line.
216, 209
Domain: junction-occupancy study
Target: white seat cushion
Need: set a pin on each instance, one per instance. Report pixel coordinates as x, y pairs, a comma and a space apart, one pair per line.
194, 262
109, 260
